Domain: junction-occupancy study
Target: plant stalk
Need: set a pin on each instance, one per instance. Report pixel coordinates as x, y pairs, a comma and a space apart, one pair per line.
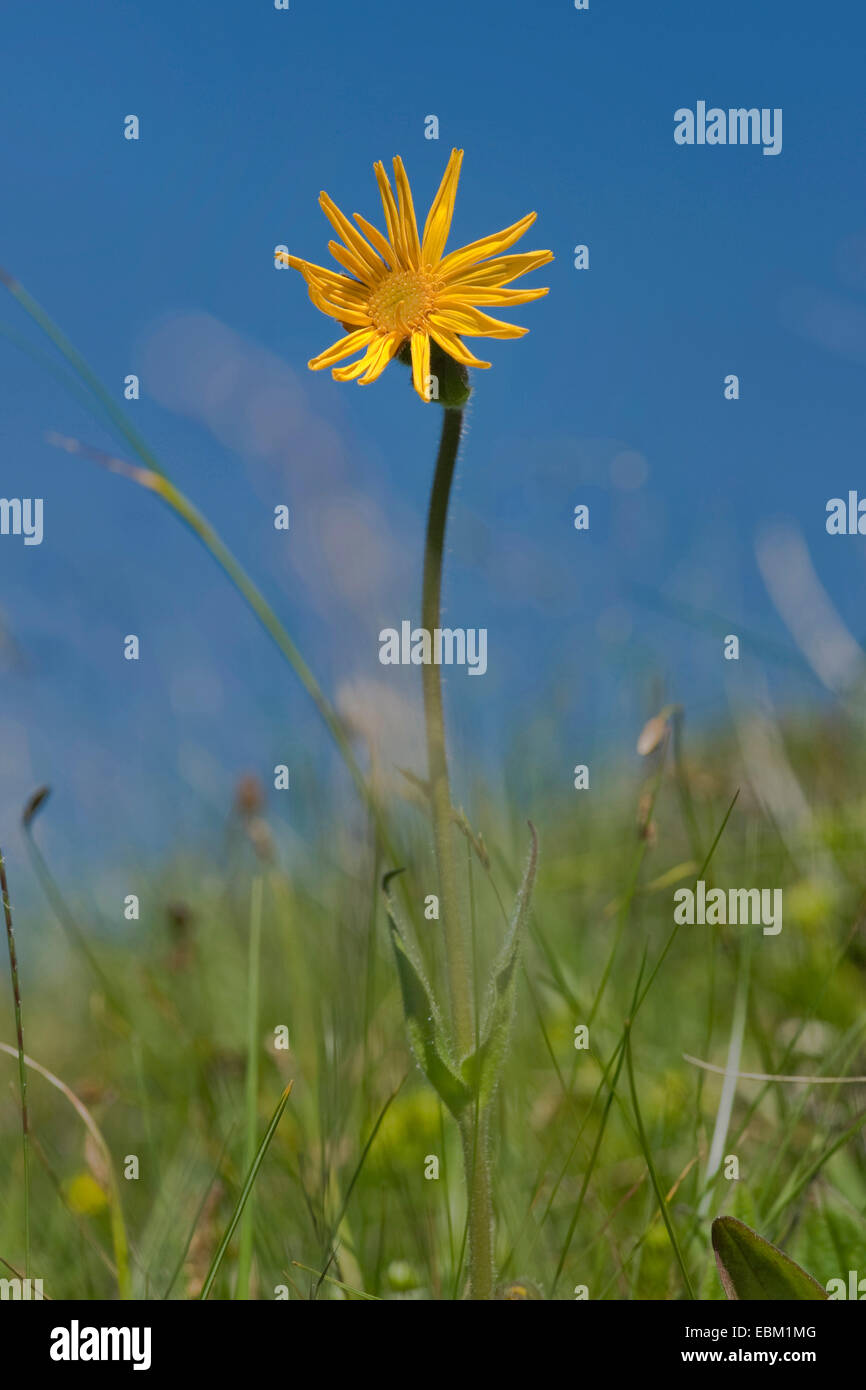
474, 1133
459, 985
473, 1129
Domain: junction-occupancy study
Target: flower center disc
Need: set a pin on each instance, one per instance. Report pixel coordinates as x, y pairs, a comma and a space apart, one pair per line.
401, 301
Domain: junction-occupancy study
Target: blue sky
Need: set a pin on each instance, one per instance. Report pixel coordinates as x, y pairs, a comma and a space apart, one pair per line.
155, 257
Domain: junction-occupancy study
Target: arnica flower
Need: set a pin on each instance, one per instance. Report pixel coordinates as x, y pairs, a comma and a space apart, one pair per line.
402, 291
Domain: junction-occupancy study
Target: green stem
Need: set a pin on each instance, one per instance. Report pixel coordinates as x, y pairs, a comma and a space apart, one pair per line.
22, 1075
474, 1132
459, 987
474, 1127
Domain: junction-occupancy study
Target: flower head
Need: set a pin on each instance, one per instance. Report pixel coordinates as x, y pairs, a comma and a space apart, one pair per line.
401, 290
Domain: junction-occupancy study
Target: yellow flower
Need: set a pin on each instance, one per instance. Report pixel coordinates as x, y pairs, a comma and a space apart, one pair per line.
84, 1194
401, 289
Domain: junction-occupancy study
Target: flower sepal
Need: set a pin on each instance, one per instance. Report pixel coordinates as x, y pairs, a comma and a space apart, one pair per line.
448, 382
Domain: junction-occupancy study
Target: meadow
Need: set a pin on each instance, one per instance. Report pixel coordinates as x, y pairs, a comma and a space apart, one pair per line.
174, 1045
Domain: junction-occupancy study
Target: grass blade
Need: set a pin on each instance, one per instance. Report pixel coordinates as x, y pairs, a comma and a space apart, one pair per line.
245, 1192
22, 1075
660, 1197
347, 1288
245, 1250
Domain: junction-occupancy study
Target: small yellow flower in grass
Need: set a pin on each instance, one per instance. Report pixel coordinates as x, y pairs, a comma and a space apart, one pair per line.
84, 1194
402, 291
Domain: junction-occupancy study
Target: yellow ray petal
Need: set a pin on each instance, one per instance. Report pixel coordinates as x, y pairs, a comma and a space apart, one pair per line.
472, 323
438, 223
360, 248
380, 354
386, 251
337, 286
392, 218
451, 344
315, 272
342, 348
352, 372
502, 269
487, 246
409, 226
353, 263
344, 313
454, 297
421, 364
354, 299
364, 362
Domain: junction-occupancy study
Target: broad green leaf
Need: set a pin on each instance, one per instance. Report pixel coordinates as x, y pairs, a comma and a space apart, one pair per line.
423, 1018
481, 1069
751, 1268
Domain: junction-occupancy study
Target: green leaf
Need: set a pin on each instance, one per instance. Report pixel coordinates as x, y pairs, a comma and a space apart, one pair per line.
423, 1018
751, 1268
481, 1069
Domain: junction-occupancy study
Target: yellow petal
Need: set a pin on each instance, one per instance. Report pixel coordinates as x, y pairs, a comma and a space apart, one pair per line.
354, 299
342, 348
380, 355
421, 364
458, 295
450, 343
337, 286
409, 226
344, 313
352, 372
487, 246
314, 272
360, 248
473, 324
438, 223
392, 219
373, 234
501, 270
352, 262
365, 362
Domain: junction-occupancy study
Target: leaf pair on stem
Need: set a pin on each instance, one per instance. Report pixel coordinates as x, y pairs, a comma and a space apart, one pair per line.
470, 1080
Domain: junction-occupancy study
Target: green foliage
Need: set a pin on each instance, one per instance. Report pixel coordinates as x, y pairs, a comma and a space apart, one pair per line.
751, 1268
482, 1068
424, 1025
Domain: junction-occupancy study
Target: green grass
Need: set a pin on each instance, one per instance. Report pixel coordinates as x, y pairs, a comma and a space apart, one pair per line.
170, 1069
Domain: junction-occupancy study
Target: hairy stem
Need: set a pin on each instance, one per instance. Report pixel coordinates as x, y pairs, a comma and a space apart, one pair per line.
474, 1132
459, 986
